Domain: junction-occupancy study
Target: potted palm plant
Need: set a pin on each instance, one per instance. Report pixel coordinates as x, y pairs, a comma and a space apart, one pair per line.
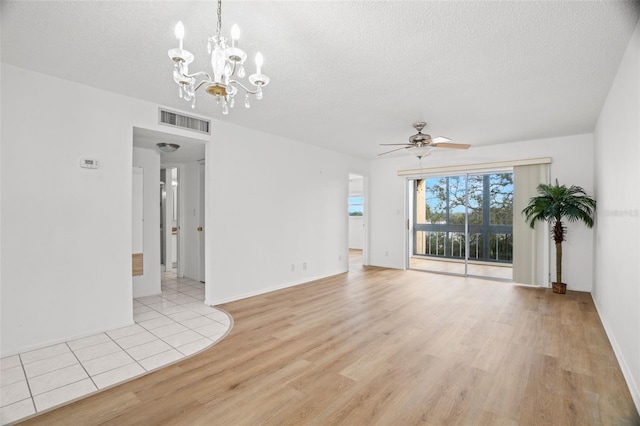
554, 204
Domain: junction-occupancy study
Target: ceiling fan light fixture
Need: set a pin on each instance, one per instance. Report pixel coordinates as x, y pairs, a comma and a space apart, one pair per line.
420, 151
168, 147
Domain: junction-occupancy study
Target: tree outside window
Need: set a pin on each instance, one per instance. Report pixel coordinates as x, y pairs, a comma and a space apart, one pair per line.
356, 205
440, 216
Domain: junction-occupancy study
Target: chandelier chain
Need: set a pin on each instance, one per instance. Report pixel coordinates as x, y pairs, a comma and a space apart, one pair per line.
219, 17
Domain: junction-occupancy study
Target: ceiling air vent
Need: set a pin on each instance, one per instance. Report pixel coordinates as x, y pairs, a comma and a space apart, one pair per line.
184, 122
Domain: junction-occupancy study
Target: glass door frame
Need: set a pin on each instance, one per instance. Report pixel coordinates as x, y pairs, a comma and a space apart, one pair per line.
486, 228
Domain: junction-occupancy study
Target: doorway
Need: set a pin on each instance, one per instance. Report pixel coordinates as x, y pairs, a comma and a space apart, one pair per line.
176, 180
462, 224
357, 220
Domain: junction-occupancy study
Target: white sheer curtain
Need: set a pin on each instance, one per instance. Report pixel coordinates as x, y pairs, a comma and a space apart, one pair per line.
530, 246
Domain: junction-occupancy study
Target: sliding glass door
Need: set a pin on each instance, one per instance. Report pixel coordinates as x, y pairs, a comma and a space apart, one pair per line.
463, 224
439, 225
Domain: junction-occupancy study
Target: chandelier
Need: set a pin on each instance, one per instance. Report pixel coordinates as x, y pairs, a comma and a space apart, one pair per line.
227, 62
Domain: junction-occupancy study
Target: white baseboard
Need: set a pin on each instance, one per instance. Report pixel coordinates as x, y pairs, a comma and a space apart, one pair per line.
626, 371
215, 302
65, 339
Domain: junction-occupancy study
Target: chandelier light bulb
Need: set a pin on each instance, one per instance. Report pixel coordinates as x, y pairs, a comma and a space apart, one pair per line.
180, 32
235, 35
259, 62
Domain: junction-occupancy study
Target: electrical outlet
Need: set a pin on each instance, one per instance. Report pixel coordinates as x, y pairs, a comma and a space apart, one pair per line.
339, 257
304, 266
293, 267
386, 253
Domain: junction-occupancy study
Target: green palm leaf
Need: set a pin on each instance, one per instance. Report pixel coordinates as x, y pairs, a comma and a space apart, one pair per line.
555, 203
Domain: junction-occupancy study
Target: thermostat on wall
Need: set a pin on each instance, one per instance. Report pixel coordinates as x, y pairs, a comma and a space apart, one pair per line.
89, 163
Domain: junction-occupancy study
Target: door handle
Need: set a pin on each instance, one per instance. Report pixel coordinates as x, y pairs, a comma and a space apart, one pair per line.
199, 228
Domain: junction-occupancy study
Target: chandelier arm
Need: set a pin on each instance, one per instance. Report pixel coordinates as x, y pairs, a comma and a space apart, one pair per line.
253, 92
196, 74
200, 85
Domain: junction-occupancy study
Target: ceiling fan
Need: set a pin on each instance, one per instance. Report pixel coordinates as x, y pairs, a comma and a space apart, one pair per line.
420, 144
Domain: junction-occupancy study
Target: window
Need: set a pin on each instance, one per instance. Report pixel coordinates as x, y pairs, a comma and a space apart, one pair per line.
356, 206
441, 204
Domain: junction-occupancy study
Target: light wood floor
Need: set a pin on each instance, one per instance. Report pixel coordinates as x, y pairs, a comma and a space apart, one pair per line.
387, 347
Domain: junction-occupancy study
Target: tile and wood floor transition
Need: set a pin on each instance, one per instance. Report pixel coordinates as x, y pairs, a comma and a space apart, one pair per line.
168, 328
388, 347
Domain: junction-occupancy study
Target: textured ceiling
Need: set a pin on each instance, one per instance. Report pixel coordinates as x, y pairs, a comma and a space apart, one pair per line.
349, 75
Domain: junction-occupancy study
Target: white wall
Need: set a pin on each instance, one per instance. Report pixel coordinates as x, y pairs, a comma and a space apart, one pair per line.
137, 207
572, 164
617, 270
356, 232
271, 203
356, 186
150, 282
66, 241
66, 231
66, 265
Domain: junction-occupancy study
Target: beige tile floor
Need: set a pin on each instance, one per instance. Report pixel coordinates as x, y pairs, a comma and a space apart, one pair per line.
167, 327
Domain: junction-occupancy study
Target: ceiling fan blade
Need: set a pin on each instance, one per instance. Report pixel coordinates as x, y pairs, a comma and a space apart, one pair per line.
393, 150
452, 145
391, 144
440, 139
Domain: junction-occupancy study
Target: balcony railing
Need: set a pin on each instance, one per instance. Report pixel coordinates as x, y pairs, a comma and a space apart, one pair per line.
487, 246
